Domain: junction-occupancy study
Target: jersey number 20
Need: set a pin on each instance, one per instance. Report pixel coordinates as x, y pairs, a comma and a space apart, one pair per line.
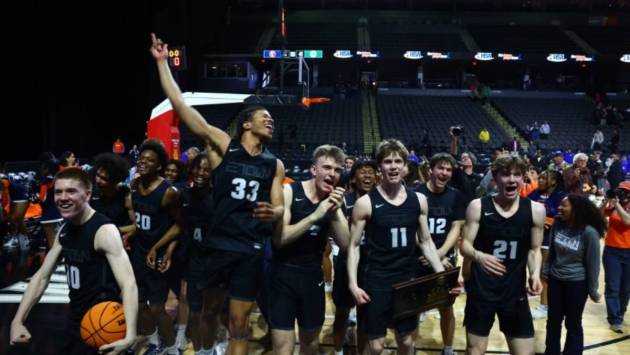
240, 187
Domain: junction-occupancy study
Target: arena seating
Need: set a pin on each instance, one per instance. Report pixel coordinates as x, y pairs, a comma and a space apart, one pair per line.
522, 39
395, 41
405, 117
328, 37
606, 40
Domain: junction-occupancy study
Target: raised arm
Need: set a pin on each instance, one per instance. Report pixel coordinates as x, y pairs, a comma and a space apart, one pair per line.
534, 257
214, 137
424, 237
360, 215
108, 241
34, 290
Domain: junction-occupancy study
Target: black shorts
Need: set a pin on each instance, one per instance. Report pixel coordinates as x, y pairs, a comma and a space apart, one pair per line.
515, 319
152, 284
195, 274
341, 295
239, 273
72, 344
296, 293
376, 316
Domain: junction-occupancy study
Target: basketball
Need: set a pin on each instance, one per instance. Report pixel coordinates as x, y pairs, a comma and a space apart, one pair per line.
104, 323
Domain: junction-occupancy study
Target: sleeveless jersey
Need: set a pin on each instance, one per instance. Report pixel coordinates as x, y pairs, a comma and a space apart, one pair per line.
113, 208
509, 239
308, 250
444, 208
90, 278
197, 209
152, 220
390, 241
239, 182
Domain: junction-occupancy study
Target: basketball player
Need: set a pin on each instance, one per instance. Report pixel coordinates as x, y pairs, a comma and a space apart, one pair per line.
111, 196
447, 209
247, 183
156, 204
98, 267
393, 218
312, 213
502, 234
362, 179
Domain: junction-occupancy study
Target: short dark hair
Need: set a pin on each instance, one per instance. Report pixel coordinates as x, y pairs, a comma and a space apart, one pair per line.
116, 166
76, 174
196, 162
157, 147
63, 158
245, 115
180, 166
442, 157
358, 165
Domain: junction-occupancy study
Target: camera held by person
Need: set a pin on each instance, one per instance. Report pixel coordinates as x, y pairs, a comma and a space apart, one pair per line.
457, 130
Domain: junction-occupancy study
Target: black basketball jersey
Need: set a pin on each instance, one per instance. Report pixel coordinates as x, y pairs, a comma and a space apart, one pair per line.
239, 182
112, 208
509, 239
349, 200
308, 250
444, 208
152, 220
90, 278
390, 241
197, 209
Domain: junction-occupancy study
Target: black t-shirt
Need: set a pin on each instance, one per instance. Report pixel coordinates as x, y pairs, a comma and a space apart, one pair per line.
197, 211
113, 208
239, 182
308, 250
444, 208
390, 241
90, 278
509, 239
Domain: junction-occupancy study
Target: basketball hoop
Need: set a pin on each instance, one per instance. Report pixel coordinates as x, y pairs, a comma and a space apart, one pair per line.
307, 101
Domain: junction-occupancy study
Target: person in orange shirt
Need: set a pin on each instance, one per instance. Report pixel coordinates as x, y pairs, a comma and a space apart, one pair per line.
617, 255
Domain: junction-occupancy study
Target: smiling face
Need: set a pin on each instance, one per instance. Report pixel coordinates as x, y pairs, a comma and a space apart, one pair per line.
441, 174
171, 172
260, 124
71, 198
201, 174
326, 172
565, 209
148, 163
392, 167
508, 182
546, 181
364, 179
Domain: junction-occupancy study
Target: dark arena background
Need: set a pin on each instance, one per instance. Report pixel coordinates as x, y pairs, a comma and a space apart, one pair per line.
342, 72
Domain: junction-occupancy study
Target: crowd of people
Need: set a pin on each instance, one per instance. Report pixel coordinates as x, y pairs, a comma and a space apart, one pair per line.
227, 230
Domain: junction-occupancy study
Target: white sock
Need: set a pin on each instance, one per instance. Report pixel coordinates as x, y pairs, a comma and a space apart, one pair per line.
340, 352
154, 338
448, 350
172, 350
181, 330
543, 307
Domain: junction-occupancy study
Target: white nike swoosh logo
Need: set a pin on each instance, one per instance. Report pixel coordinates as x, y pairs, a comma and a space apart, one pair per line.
185, 204
233, 150
299, 199
488, 213
379, 206
320, 284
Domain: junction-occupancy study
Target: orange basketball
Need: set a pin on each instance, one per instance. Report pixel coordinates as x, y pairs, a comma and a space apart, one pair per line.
104, 323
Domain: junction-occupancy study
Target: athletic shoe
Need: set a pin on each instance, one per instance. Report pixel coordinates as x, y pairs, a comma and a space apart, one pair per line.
617, 328
540, 312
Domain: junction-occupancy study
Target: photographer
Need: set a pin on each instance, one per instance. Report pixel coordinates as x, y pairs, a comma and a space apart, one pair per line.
578, 178
616, 257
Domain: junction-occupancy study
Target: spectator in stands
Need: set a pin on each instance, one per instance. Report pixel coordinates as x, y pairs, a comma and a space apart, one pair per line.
132, 155
545, 130
190, 154
616, 257
557, 162
67, 160
464, 178
484, 139
596, 167
425, 145
413, 157
118, 147
527, 81
598, 140
514, 146
615, 171
614, 141
568, 156
577, 178
534, 132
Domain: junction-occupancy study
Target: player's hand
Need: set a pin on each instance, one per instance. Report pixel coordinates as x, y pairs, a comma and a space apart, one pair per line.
360, 296
19, 334
491, 264
534, 286
165, 263
447, 263
424, 261
151, 258
596, 297
116, 347
456, 291
159, 49
265, 212
126, 239
336, 197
